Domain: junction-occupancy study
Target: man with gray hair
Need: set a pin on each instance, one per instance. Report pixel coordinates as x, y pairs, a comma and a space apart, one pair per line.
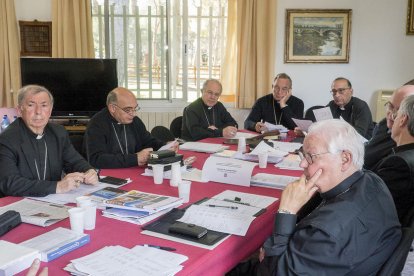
397, 169
34, 152
354, 229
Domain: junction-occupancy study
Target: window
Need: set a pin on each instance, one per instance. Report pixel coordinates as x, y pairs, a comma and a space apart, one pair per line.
165, 49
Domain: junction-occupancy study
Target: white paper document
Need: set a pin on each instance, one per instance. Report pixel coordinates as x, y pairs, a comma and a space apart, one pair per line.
260, 201
271, 127
224, 220
271, 180
274, 152
37, 212
228, 170
286, 146
248, 156
302, 124
203, 147
244, 135
118, 260
290, 162
323, 113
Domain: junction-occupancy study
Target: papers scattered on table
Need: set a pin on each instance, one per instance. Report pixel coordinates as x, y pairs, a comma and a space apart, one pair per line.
275, 154
228, 170
245, 135
56, 243
287, 147
220, 219
246, 198
37, 212
70, 197
271, 180
118, 260
247, 156
203, 147
136, 217
290, 162
271, 127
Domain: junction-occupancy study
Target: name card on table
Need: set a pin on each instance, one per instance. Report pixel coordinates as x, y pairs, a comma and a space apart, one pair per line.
228, 170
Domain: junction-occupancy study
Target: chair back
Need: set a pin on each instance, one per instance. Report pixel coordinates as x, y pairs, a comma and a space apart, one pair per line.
309, 112
395, 263
162, 133
176, 125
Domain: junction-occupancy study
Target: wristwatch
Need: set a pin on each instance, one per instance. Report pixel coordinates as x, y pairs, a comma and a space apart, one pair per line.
284, 211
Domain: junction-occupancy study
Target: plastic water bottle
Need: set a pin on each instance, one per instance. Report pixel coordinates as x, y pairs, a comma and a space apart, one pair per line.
5, 123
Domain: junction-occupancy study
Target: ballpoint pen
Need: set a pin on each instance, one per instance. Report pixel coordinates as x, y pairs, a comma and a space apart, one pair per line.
236, 201
166, 248
221, 206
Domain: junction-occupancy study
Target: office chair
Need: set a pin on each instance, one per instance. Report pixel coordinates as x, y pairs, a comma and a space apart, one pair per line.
309, 112
162, 133
175, 126
395, 263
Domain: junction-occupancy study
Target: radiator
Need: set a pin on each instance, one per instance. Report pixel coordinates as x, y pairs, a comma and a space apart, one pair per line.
152, 119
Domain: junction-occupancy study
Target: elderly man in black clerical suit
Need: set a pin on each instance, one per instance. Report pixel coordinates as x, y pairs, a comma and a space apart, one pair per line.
34, 153
207, 117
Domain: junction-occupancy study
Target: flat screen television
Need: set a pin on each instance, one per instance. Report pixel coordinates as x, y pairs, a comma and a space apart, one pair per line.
79, 85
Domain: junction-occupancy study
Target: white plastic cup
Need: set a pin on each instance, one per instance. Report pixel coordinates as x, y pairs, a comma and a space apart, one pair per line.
175, 174
184, 188
76, 217
158, 171
82, 199
263, 159
90, 215
241, 146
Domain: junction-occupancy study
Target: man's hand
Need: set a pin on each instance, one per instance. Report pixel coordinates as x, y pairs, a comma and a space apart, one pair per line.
298, 132
34, 268
284, 100
174, 146
70, 182
297, 193
90, 177
229, 132
143, 156
260, 127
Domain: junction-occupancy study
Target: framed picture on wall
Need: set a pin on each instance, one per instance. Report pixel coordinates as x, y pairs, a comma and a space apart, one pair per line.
317, 36
410, 17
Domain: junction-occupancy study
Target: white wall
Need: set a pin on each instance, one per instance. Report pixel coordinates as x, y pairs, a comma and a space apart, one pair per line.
381, 54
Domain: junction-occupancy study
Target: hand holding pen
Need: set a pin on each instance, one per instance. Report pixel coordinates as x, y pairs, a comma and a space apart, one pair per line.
260, 126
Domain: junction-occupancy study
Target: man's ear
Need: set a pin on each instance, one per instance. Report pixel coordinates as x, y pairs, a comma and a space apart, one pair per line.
346, 159
19, 110
403, 120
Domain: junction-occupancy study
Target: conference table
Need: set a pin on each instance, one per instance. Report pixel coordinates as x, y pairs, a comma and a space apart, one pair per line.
200, 261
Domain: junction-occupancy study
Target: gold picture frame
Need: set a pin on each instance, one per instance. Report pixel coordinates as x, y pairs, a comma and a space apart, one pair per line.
410, 17
317, 36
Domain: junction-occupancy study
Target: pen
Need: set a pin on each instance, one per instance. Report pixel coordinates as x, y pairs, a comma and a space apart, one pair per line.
236, 201
221, 206
160, 247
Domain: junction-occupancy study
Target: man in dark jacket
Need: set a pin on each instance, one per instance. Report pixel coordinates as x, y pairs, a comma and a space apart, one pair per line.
397, 169
207, 117
116, 137
277, 108
34, 152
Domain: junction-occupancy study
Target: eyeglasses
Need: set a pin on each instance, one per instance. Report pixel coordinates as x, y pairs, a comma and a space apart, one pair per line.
129, 110
391, 109
283, 89
339, 91
309, 157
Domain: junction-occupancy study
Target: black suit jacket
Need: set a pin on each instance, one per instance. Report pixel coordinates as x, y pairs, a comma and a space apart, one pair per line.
397, 171
18, 174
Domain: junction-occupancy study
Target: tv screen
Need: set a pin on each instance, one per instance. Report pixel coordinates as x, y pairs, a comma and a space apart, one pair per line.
79, 86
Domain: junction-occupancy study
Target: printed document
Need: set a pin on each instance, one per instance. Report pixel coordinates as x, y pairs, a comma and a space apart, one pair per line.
302, 124
246, 198
322, 114
271, 180
228, 170
203, 147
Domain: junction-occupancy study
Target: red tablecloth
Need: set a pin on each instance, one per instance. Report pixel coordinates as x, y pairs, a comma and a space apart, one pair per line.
201, 261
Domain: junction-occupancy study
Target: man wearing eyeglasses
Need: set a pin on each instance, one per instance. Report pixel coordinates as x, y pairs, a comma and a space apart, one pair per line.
352, 109
381, 143
116, 137
397, 169
277, 108
207, 117
352, 231
34, 152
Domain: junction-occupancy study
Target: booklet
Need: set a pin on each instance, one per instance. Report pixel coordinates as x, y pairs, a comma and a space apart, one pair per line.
15, 257
38, 212
56, 243
146, 202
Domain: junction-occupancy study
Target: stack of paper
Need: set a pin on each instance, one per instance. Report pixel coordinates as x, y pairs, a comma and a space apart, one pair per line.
37, 212
271, 180
56, 243
271, 127
290, 162
118, 260
136, 217
284, 146
15, 258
